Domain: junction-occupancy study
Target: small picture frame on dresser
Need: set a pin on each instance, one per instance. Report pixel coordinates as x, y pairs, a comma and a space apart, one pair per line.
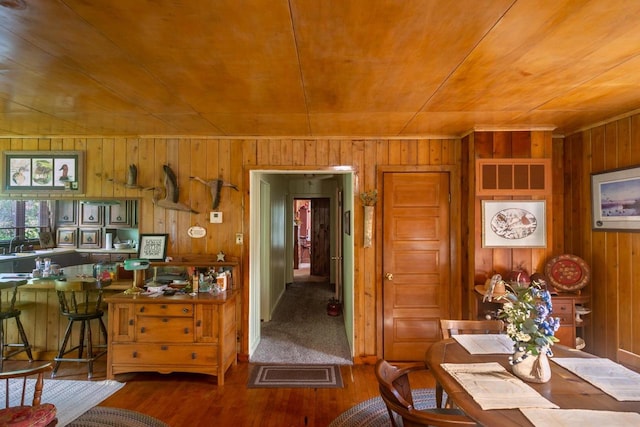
153, 247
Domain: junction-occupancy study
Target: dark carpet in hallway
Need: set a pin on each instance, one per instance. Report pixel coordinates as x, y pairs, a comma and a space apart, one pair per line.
301, 331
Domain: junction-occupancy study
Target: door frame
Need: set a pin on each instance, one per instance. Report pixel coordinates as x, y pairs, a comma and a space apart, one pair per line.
251, 257
456, 292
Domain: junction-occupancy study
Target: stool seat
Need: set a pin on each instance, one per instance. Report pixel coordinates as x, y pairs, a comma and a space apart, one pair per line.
10, 310
81, 303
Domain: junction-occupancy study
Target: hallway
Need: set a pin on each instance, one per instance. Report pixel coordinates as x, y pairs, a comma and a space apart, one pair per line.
301, 331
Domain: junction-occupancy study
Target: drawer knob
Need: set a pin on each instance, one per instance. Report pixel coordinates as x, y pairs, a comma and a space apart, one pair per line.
142, 309
186, 331
134, 354
163, 306
193, 356
142, 330
130, 322
164, 348
185, 310
199, 323
165, 320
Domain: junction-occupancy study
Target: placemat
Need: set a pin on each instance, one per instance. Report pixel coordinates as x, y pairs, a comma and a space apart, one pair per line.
485, 343
580, 417
492, 387
619, 382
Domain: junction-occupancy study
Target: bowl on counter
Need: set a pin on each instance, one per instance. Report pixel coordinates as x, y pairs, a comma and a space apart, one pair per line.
178, 284
122, 245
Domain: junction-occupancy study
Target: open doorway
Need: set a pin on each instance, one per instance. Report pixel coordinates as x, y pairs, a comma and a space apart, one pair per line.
311, 239
292, 198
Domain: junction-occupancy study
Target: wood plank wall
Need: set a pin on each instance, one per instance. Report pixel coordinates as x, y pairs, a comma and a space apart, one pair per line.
108, 158
614, 257
482, 263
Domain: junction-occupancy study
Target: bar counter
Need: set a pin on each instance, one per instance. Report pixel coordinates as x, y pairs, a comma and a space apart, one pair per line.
40, 310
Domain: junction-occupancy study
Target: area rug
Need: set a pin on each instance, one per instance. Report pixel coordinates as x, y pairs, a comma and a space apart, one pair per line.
298, 376
105, 416
373, 412
71, 398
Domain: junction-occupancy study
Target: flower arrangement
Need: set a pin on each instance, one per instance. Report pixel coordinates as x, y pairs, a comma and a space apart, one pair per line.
369, 198
527, 314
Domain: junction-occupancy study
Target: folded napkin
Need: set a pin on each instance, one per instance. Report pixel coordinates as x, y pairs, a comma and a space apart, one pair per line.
485, 343
580, 417
492, 387
619, 382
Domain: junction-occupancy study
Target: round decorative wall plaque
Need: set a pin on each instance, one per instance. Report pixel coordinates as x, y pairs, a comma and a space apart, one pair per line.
196, 232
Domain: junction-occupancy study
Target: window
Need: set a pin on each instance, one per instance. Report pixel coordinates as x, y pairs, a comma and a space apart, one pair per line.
23, 219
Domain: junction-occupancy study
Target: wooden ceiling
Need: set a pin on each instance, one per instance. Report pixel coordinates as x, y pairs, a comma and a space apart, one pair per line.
315, 68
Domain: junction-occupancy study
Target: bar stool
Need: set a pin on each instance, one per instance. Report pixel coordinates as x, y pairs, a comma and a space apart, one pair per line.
81, 302
8, 311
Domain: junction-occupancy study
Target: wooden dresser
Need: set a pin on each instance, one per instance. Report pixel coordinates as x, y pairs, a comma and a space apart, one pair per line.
177, 333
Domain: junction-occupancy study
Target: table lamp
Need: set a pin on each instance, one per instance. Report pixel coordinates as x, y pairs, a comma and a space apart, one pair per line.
136, 265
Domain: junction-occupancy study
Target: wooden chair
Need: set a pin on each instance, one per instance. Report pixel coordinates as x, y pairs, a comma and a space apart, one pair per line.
395, 391
37, 414
10, 310
81, 302
456, 327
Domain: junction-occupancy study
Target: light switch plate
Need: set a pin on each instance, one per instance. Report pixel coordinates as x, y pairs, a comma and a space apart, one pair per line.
215, 217
239, 238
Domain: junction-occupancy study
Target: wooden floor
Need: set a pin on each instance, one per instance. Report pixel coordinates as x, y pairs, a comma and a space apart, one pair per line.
195, 400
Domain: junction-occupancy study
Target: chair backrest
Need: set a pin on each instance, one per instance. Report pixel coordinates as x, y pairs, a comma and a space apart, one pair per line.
23, 374
455, 327
395, 390
12, 287
79, 297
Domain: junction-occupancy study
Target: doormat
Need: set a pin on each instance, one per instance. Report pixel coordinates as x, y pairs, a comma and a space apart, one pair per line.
295, 376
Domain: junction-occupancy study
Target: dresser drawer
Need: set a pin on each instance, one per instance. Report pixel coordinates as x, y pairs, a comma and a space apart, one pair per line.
564, 311
183, 310
164, 329
165, 354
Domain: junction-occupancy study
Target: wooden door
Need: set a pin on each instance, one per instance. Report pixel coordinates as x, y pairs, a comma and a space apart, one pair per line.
416, 261
320, 238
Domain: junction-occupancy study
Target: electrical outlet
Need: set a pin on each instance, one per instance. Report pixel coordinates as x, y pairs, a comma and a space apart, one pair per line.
239, 238
215, 217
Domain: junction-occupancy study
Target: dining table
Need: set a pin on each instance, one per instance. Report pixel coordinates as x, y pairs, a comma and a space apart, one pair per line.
565, 389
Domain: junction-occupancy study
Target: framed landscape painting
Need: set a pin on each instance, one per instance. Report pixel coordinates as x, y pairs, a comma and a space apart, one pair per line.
615, 200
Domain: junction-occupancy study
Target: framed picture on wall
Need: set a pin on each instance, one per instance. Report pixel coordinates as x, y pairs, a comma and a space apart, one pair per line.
615, 199
513, 224
43, 171
153, 247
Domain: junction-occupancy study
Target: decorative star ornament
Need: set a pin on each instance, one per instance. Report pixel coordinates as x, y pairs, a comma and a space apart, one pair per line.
220, 256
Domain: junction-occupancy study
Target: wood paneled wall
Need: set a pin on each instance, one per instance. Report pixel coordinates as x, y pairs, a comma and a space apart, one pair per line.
614, 257
481, 263
109, 158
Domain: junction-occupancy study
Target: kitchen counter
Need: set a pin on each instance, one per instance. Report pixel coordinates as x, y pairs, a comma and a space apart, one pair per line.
25, 262
58, 251
34, 254
40, 310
